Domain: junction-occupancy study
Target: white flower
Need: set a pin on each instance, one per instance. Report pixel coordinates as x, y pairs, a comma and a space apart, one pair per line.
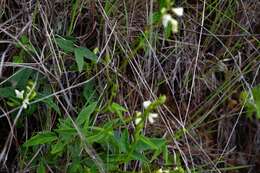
178, 11
167, 18
19, 94
162, 171
25, 103
138, 118
159, 170
146, 104
151, 117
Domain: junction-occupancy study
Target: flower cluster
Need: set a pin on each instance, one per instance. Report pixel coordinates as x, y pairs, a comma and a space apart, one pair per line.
26, 96
20, 95
167, 18
151, 116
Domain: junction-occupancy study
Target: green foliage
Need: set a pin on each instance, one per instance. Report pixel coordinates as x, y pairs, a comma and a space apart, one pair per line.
114, 144
252, 102
81, 53
68, 46
75, 9
7, 92
117, 109
84, 115
89, 92
41, 168
20, 78
41, 138
165, 4
25, 47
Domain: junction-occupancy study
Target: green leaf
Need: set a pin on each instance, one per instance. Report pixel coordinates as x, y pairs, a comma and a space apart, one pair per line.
84, 115
89, 92
41, 168
52, 105
75, 167
145, 143
148, 142
256, 95
252, 104
97, 137
168, 30
156, 16
24, 41
166, 159
117, 109
101, 135
139, 156
66, 133
41, 138
17, 59
7, 92
124, 141
65, 44
81, 53
57, 148
20, 78
165, 4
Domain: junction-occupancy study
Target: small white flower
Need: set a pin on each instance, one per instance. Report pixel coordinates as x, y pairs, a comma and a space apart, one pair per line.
19, 94
151, 117
162, 171
167, 18
138, 113
146, 104
25, 103
159, 170
138, 118
178, 11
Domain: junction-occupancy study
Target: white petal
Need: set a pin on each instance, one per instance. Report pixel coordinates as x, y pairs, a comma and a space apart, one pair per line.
159, 171
153, 115
166, 19
138, 114
174, 25
138, 120
146, 104
25, 103
178, 11
151, 120
19, 94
